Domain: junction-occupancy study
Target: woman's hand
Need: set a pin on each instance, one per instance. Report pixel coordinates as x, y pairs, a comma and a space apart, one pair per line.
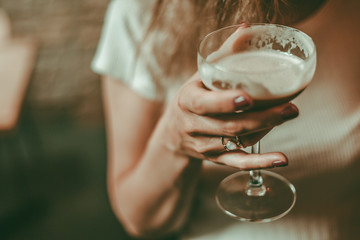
200, 118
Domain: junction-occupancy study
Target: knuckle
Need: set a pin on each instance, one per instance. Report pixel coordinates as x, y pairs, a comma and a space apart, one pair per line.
188, 127
229, 128
197, 106
181, 102
232, 128
199, 148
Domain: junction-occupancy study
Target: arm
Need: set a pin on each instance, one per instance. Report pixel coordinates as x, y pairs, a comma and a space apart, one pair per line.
155, 157
150, 186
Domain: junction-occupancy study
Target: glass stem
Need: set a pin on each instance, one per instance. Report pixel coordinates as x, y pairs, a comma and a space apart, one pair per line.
255, 185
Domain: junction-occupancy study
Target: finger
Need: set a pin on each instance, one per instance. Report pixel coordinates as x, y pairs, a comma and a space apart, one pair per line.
197, 99
204, 147
243, 123
236, 42
209, 145
246, 161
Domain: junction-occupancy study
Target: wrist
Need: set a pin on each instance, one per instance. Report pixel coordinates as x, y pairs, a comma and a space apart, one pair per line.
166, 133
166, 142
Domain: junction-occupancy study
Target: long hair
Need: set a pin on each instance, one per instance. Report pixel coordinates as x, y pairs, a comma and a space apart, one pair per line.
178, 25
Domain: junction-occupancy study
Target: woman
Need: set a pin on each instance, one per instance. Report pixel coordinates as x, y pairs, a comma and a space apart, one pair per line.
162, 122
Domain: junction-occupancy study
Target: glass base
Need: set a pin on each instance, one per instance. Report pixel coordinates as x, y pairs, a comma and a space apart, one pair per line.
277, 197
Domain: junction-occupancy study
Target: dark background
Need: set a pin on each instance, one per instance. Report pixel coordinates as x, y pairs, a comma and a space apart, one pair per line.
52, 167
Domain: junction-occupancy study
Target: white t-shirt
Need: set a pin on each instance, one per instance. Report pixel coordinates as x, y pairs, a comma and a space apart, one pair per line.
322, 143
125, 27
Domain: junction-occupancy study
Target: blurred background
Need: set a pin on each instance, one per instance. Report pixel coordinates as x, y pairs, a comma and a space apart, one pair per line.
53, 162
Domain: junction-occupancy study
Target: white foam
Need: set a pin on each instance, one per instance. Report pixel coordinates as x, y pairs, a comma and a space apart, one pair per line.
263, 74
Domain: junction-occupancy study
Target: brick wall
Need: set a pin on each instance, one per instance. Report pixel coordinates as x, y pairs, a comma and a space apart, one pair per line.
68, 32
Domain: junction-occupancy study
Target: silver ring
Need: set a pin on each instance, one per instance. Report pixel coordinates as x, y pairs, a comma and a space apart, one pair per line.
232, 144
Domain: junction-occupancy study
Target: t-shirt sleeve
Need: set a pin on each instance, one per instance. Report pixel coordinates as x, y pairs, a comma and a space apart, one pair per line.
124, 29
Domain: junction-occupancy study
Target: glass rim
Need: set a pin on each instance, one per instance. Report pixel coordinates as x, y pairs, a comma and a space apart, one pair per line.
312, 53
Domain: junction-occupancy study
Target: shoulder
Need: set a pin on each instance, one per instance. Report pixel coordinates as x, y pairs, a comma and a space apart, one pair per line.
128, 18
125, 26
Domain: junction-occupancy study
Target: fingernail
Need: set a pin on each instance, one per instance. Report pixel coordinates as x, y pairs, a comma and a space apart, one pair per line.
242, 25
241, 103
290, 112
279, 163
